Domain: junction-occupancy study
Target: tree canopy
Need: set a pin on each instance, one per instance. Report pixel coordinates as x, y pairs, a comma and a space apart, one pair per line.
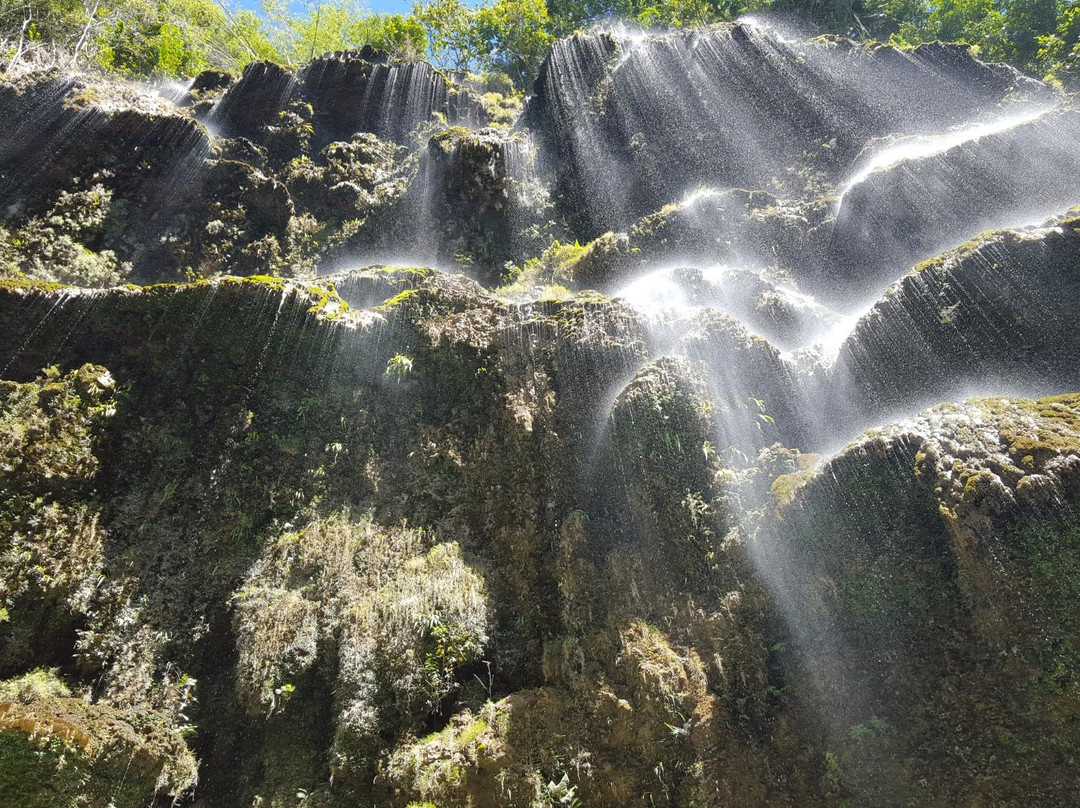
511, 37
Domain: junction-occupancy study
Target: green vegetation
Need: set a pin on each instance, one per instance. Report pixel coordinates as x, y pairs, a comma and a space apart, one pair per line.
399, 366
177, 38
502, 37
53, 247
59, 750
361, 577
401, 613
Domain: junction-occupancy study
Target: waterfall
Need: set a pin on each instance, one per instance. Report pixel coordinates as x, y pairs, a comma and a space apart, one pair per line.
646, 117
698, 428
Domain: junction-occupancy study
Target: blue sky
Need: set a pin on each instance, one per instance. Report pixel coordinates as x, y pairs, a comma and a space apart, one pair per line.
381, 6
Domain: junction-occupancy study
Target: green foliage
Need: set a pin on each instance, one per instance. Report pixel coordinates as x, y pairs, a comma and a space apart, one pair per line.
506, 36
58, 246
1059, 51
175, 38
449, 32
49, 538
511, 37
401, 612
560, 793
399, 367
324, 27
403, 37
30, 687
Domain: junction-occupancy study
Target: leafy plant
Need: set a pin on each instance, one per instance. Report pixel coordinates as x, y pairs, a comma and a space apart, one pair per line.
399, 367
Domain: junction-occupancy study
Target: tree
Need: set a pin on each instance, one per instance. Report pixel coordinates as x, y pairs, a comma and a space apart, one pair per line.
179, 37
323, 27
400, 36
514, 37
1025, 22
511, 37
450, 32
1059, 52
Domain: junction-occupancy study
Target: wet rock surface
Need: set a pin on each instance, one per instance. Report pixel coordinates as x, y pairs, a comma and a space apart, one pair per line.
932, 604
995, 312
726, 90
375, 534
605, 540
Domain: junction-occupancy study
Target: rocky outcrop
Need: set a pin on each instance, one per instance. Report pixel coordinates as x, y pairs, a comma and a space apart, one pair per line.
406, 537
703, 228
452, 549
622, 146
994, 313
383, 161
286, 175
474, 203
349, 92
60, 749
901, 213
927, 571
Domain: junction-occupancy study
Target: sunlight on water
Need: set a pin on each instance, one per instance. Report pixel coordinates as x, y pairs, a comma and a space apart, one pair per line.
757, 23
764, 306
661, 295
172, 91
921, 147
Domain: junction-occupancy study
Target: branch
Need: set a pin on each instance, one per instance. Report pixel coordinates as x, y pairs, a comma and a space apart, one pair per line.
234, 29
22, 33
91, 16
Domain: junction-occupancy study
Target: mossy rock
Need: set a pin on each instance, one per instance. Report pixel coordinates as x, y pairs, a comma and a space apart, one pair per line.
55, 749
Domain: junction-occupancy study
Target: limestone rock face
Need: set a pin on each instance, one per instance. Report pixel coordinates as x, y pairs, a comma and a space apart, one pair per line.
415, 481
58, 749
795, 174
254, 101
998, 308
472, 203
927, 568
1021, 174
450, 456
622, 148
348, 92
290, 171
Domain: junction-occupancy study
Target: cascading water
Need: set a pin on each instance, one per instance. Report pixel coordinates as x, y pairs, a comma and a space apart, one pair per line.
917, 148
578, 504
740, 107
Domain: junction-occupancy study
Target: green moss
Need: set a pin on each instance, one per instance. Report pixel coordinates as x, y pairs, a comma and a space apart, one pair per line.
328, 303
38, 684
444, 766
946, 260
418, 273
40, 775
266, 281
448, 138
28, 284
1049, 553
56, 750
403, 613
1055, 431
786, 487
402, 297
